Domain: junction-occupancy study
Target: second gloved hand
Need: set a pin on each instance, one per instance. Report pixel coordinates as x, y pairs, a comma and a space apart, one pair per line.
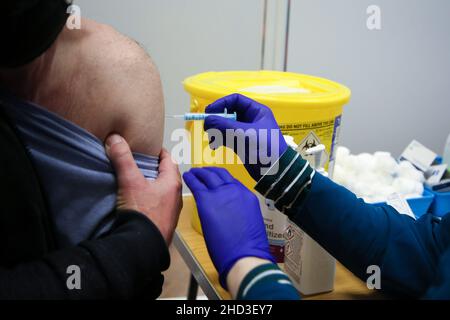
231, 218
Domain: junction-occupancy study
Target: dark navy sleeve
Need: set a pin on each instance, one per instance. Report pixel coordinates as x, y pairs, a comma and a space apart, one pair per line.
267, 282
359, 235
440, 289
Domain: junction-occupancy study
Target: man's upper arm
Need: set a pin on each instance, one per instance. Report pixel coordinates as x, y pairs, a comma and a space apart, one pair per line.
105, 83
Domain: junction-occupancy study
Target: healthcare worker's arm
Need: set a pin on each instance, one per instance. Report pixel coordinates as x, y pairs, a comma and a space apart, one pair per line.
235, 236
357, 234
440, 288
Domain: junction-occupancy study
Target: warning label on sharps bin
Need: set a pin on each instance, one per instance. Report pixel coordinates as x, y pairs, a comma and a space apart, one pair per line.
310, 134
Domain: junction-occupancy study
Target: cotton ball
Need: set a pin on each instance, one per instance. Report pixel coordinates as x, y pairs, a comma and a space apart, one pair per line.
418, 176
417, 192
353, 164
380, 199
418, 188
360, 188
381, 157
366, 160
385, 163
342, 152
407, 170
370, 181
346, 162
369, 177
373, 188
350, 180
405, 166
375, 178
384, 178
386, 191
343, 176
339, 175
375, 199
404, 186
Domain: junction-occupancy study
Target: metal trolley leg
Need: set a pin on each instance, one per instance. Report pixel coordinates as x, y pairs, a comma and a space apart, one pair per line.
193, 289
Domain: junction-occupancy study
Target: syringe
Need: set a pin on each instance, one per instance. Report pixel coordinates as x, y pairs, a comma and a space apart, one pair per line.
203, 116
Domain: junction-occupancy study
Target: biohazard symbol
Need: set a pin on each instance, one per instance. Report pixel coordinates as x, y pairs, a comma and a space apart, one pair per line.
310, 141
309, 144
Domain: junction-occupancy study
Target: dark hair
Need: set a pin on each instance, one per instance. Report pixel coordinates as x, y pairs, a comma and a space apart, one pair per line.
28, 28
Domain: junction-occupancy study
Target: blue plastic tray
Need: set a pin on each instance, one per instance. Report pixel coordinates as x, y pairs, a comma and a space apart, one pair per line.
419, 206
441, 203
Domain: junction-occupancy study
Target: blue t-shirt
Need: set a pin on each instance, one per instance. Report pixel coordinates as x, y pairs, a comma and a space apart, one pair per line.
76, 175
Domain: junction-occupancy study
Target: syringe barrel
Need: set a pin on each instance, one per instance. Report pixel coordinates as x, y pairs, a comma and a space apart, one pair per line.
194, 116
203, 116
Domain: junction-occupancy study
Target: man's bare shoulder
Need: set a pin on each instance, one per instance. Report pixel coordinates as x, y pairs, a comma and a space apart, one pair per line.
110, 85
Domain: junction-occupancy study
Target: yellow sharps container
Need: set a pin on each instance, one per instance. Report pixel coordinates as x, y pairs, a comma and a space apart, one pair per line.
307, 108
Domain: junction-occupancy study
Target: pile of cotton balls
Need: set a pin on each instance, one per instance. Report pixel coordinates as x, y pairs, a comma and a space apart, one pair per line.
375, 177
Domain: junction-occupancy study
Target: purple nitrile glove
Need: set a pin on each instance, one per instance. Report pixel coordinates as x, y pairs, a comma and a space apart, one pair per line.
264, 142
231, 218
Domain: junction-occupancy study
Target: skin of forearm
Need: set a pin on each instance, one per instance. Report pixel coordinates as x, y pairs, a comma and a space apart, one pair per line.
240, 269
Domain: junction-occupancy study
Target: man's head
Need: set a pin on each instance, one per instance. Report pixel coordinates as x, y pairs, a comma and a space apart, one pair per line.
28, 28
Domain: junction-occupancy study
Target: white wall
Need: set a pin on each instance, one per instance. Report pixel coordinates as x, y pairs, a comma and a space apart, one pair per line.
399, 76
186, 37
